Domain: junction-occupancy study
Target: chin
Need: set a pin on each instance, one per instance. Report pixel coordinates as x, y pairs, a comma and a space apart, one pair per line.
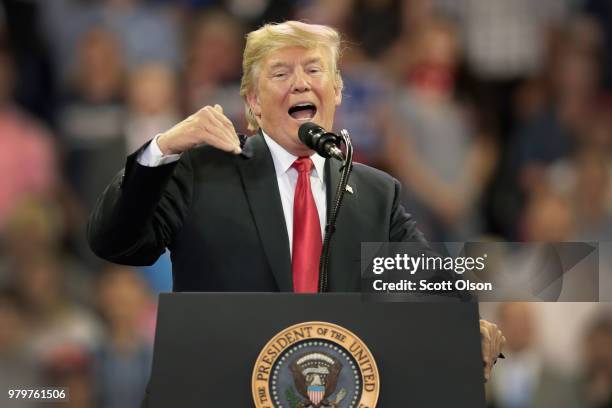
295, 127
322, 123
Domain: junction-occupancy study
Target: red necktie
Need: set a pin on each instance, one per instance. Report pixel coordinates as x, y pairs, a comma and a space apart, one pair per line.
306, 232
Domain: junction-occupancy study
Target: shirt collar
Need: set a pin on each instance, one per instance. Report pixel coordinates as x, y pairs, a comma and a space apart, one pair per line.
283, 159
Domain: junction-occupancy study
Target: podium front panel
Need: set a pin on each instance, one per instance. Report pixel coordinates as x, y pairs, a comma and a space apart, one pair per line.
428, 354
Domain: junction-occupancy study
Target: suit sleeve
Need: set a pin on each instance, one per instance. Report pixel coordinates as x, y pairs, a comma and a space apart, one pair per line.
403, 227
141, 211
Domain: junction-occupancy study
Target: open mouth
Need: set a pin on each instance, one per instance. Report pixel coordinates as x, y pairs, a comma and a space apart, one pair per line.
303, 111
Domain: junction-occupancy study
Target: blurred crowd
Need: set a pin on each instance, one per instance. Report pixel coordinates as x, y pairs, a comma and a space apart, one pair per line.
496, 116
552, 361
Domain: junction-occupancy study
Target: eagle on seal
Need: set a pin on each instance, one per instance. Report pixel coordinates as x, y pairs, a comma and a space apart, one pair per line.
315, 376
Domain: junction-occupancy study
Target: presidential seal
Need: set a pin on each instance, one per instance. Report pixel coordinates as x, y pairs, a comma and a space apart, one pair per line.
315, 365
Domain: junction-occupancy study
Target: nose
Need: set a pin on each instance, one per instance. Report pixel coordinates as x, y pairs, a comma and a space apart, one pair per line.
301, 83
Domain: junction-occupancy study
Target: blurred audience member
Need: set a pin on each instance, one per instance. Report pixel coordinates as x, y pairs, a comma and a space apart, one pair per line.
552, 134
92, 119
69, 367
602, 12
505, 43
146, 33
34, 79
375, 25
415, 15
212, 73
27, 155
592, 198
18, 368
506, 40
547, 218
33, 227
364, 106
123, 359
585, 179
55, 320
333, 13
596, 384
64, 24
550, 111
432, 145
525, 380
152, 104
550, 269
253, 13
36, 229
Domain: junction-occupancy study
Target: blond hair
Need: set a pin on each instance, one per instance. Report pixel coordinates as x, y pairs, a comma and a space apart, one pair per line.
272, 37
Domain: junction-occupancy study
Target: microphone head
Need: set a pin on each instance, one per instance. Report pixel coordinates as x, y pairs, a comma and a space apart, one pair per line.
309, 133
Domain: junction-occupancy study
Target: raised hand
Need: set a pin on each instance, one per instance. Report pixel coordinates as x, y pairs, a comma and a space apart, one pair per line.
208, 125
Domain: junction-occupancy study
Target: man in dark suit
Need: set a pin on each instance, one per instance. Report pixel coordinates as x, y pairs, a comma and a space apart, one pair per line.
251, 218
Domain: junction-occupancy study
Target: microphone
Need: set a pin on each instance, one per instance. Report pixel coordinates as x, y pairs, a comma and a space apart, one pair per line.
323, 142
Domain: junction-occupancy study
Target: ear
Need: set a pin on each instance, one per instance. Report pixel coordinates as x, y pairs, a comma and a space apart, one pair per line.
254, 103
338, 95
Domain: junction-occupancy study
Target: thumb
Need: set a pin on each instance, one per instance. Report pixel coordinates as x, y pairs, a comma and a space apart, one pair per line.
218, 108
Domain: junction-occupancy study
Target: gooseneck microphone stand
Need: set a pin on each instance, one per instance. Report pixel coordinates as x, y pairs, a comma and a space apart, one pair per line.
332, 213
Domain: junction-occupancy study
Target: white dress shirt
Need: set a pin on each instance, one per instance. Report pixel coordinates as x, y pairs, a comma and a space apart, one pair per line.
286, 178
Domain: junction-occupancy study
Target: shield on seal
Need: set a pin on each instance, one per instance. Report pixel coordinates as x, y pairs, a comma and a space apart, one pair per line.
316, 393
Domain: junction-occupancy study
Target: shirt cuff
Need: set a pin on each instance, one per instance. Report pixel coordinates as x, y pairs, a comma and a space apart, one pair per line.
152, 156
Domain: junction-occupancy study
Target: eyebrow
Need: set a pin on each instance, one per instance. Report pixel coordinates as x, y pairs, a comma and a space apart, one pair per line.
281, 64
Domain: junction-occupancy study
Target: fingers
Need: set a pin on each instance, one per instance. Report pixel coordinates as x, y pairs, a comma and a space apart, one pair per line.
496, 340
218, 130
493, 342
223, 144
207, 126
218, 112
486, 350
223, 124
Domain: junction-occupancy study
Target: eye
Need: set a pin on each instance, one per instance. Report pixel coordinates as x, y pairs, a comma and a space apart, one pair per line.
279, 75
314, 70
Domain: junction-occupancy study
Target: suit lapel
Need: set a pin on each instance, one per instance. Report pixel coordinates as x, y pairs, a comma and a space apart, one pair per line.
259, 180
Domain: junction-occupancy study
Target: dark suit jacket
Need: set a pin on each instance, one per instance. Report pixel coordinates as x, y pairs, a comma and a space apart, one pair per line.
222, 219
